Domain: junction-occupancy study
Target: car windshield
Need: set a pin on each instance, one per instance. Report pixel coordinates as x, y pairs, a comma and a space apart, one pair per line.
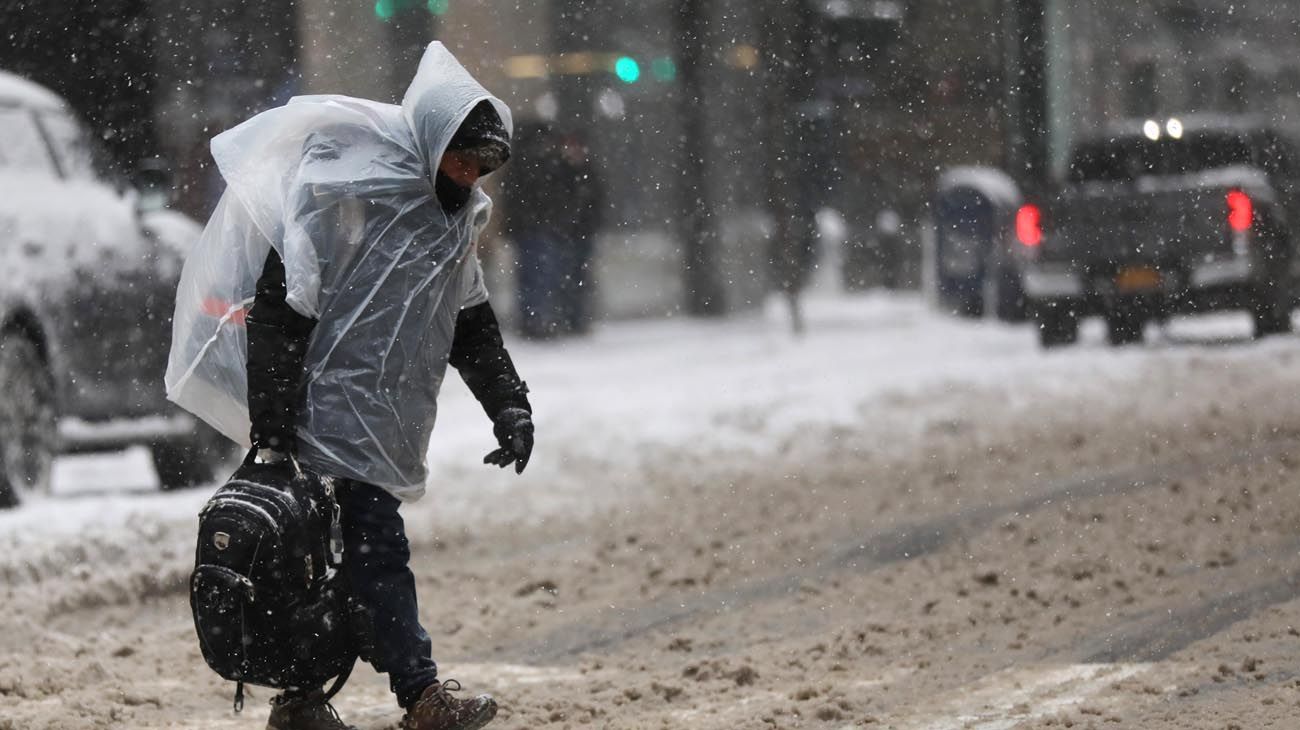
1128, 158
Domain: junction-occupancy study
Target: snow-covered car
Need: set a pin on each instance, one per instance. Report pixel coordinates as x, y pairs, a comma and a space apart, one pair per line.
85, 305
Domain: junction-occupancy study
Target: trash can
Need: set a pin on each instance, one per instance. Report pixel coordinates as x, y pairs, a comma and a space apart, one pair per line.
975, 269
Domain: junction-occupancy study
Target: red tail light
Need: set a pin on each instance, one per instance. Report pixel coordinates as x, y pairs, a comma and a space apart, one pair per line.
1241, 211
1029, 225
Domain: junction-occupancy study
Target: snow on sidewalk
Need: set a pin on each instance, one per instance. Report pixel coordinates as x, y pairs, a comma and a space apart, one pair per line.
635, 393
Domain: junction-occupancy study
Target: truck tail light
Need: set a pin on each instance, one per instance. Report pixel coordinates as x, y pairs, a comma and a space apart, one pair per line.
1029, 225
1241, 211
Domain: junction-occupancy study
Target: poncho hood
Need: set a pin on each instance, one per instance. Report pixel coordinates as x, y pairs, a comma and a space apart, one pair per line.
342, 189
439, 98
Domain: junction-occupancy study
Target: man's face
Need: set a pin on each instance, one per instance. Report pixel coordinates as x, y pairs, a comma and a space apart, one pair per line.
461, 167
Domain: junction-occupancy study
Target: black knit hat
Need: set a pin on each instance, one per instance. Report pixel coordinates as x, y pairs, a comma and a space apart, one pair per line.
483, 135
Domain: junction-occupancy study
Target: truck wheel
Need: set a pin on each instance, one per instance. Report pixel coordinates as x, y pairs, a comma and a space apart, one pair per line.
1123, 327
1057, 326
196, 459
28, 420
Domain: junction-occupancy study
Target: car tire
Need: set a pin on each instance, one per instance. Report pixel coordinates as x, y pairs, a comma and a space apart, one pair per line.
197, 459
1057, 326
1123, 327
28, 422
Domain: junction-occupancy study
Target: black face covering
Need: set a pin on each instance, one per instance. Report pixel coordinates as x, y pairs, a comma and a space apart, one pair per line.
452, 196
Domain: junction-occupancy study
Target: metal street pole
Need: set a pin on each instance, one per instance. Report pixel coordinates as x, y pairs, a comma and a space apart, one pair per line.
788, 71
704, 293
1027, 92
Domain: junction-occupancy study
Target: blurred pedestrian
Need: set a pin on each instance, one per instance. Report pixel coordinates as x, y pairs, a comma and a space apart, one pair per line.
533, 210
797, 191
554, 205
793, 255
579, 185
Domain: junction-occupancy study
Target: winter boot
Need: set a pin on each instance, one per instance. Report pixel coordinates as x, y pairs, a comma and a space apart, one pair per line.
304, 712
438, 710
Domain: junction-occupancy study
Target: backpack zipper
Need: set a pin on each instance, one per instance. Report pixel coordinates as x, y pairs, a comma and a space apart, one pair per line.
336, 523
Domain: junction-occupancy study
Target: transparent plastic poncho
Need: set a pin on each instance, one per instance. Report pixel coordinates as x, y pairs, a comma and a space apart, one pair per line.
342, 189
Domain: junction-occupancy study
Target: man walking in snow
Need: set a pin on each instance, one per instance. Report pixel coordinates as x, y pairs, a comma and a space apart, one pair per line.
350, 228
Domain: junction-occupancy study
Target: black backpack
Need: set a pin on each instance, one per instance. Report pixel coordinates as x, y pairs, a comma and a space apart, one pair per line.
270, 601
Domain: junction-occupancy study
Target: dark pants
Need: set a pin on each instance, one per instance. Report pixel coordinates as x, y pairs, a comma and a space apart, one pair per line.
573, 305
555, 286
538, 282
377, 553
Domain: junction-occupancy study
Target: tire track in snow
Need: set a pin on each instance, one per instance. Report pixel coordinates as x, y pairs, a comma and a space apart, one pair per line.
1016, 695
1146, 640
903, 543
1010, 697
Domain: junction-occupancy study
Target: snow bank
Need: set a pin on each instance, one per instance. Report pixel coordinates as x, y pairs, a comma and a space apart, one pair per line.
626, 401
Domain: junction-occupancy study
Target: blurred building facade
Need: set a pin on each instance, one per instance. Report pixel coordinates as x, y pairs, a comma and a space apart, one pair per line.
715, 122
1116, 59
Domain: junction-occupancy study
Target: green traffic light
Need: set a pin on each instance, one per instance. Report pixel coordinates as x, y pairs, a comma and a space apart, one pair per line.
627, 70
386, 10
664, 68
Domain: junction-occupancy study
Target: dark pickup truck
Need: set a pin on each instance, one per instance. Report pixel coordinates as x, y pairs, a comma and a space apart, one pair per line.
1165, 217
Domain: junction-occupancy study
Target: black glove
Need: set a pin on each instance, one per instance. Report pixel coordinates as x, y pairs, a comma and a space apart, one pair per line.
513, 428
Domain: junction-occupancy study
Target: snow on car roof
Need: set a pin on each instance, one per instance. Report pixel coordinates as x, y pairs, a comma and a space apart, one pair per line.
14, 88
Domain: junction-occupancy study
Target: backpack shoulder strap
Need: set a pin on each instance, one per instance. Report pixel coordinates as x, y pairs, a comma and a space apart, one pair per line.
340, 680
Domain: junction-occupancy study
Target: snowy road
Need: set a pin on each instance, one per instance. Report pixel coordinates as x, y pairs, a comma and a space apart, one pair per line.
899, 521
